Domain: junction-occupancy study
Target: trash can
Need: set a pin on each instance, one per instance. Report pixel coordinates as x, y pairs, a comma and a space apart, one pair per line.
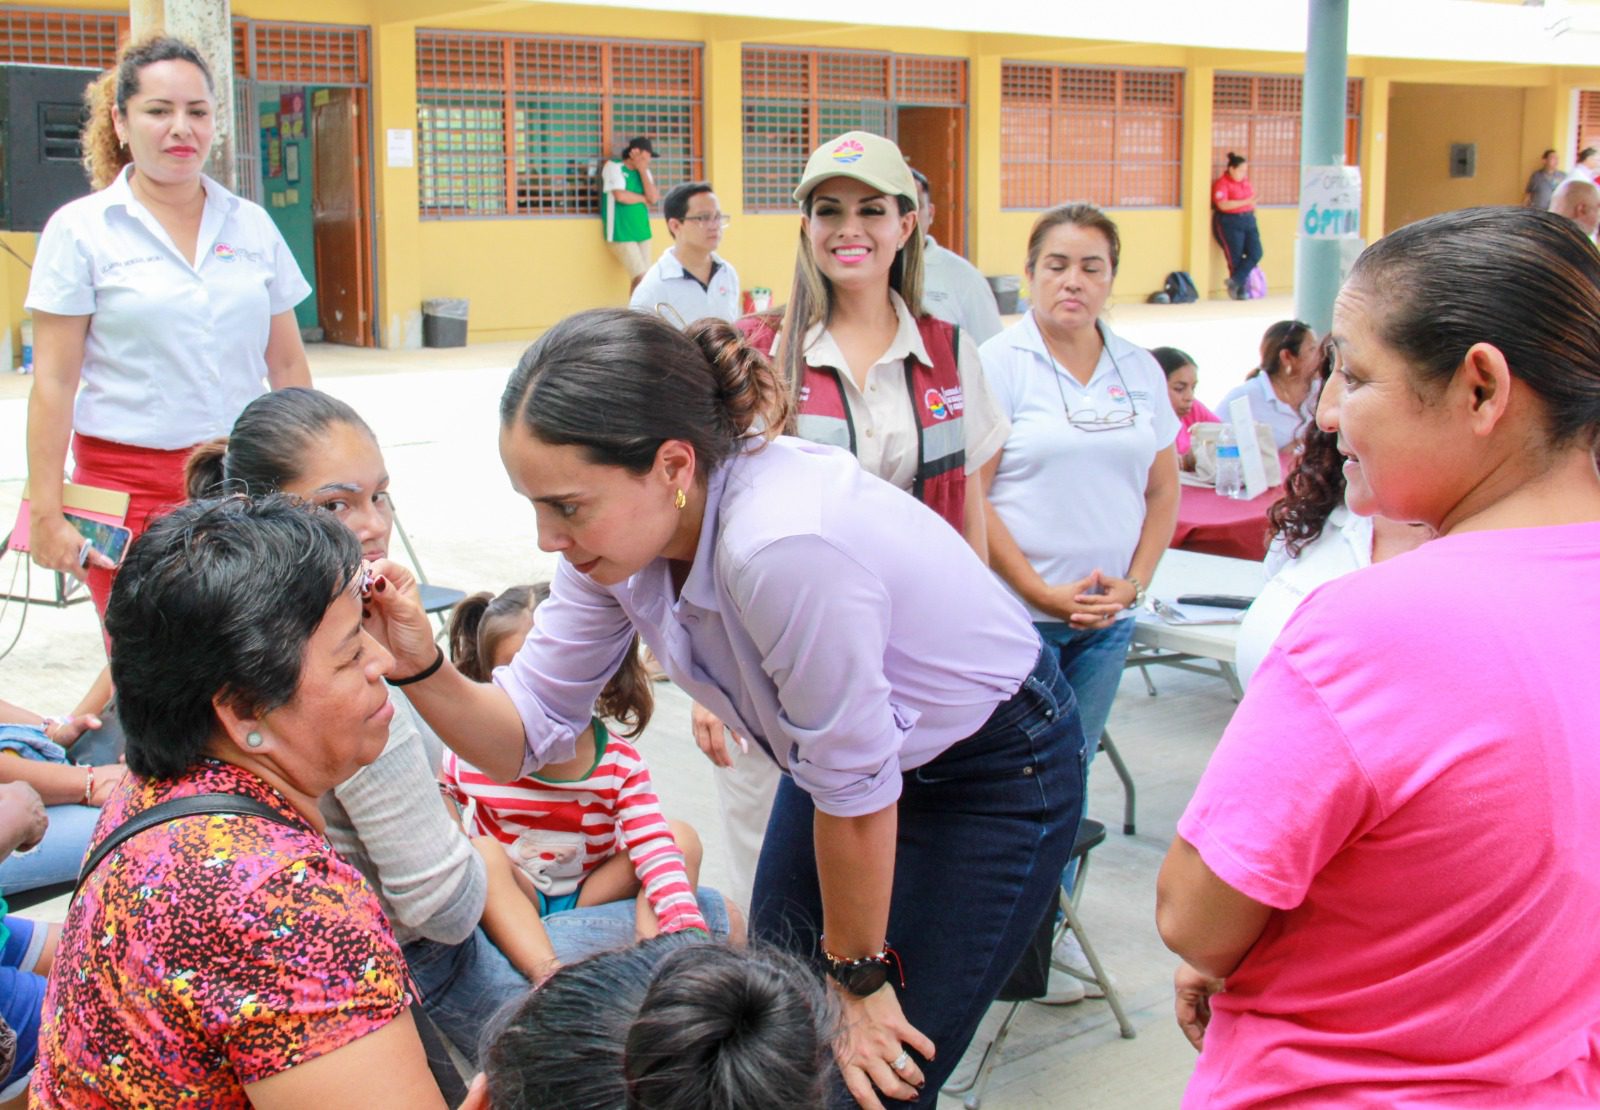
1007, 288
444, 322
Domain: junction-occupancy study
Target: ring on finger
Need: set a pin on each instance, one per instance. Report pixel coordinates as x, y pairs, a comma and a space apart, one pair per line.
902, 1061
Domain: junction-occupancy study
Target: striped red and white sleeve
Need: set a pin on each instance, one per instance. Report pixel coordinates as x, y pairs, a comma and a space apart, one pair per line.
656, 859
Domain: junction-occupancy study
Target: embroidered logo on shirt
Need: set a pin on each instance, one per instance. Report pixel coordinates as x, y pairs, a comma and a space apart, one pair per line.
224, 252
848, 151
935, 402
1116, 392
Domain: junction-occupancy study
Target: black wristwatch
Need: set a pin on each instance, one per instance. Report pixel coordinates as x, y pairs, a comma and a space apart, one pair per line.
865, 975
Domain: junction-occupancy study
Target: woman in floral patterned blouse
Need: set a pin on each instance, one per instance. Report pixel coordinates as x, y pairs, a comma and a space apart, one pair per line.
234, 961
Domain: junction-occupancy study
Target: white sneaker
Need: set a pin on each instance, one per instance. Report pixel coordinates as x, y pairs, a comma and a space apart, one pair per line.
1062, 989
1068, 961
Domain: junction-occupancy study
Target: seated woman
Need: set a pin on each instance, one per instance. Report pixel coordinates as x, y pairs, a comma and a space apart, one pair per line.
1182, 377
53, 756
1318, 534
236, 958
582, 831
1282, 388
676, 1023
388, 820
27, 948
1389, 861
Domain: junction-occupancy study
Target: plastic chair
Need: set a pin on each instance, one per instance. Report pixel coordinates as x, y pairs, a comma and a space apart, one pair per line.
1090, 835
437, 601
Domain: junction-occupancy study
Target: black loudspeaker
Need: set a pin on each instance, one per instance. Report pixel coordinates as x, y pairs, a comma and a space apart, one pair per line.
41, 159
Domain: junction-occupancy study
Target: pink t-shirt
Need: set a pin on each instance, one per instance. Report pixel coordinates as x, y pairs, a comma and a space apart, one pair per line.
1198, 414
1413, 783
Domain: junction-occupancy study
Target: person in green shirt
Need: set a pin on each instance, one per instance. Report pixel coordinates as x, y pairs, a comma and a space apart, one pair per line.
628, 192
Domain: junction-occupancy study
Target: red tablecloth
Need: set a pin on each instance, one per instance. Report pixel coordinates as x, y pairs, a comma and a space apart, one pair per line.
1216, 525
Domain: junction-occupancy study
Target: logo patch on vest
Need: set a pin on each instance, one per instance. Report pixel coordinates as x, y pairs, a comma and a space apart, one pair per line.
848, 152
935, 402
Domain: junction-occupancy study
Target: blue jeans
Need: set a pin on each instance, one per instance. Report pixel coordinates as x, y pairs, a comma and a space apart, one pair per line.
1092, 662
58, 857
983, 831
466, 986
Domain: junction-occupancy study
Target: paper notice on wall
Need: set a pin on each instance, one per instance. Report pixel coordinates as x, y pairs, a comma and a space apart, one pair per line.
401, 149
1330, 202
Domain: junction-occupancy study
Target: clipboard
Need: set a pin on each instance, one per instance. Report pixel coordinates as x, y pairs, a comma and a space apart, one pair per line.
108, 506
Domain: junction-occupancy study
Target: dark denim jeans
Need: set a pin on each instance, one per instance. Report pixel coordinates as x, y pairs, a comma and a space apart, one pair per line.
984, 830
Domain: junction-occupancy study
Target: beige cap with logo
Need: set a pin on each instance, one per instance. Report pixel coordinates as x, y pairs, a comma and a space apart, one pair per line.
864, 156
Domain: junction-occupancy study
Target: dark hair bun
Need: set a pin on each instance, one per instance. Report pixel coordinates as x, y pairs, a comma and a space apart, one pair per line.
748, 392
735, 1020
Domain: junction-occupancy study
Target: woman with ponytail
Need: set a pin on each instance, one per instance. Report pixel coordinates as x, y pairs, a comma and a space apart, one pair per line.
677, 1023
162, 303
928, 743
389, 820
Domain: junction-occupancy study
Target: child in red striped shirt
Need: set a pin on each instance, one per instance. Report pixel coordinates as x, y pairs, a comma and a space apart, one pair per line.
581, 832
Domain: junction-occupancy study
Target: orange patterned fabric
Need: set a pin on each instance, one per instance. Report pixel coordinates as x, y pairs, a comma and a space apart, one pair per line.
209, 953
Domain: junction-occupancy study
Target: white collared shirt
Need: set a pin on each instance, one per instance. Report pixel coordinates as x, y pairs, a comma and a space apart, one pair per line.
1343, 546
886, 428
1266, 407
954, 290
174, 351
668, 285
1073, 499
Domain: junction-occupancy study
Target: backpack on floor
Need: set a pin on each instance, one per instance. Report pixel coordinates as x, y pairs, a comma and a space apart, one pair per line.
1255, 286
1179, 288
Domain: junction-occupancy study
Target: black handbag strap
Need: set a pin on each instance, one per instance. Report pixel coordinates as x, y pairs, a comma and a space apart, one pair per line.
160, 814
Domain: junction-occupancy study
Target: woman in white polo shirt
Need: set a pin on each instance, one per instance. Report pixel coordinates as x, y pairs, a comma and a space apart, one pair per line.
1085, 496
165, 297
1283, 388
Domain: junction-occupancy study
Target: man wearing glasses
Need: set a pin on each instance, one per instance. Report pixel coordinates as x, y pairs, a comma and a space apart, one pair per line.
689, 281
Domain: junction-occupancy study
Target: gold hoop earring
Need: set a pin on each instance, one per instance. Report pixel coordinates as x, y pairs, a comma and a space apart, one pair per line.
679, 500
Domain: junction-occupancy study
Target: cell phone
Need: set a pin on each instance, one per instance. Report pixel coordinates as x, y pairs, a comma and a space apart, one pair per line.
1217, 601
111, 540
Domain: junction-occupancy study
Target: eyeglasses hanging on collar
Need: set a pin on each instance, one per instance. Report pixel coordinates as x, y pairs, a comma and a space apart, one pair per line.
1089, 419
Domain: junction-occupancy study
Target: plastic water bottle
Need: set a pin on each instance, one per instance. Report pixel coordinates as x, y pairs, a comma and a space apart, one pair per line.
1230, 471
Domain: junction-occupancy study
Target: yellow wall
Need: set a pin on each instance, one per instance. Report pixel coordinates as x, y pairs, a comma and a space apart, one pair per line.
1424, 120
523, 274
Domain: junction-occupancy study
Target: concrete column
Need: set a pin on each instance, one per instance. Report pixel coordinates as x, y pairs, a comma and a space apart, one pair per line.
1321, 144
986, 245
723, 121
398, 226
208, 25
1197, 94
1374, 156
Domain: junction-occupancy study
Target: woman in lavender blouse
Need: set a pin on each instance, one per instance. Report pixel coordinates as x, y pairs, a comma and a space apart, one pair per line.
933, 756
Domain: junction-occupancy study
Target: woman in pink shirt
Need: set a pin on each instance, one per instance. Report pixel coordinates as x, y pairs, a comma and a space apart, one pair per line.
1182, 377
1388, 869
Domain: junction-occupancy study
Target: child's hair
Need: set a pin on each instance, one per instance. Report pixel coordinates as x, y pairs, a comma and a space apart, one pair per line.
476, 625
676, 1023
1171, 359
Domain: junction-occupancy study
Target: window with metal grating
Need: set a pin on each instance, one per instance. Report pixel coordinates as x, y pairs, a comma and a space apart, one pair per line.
1110, 136
796, 98
40, 37
304, 53
1588, 121
519, 125
1258, 116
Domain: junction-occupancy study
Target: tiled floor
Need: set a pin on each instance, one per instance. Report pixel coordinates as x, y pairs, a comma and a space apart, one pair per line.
434, 414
